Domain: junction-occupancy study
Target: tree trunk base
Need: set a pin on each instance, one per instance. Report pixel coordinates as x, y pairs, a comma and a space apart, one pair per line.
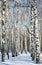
33, 56
13, 55
26, 52
3, 58
21, 51
16, 54
3, 54
38, 58
8, 55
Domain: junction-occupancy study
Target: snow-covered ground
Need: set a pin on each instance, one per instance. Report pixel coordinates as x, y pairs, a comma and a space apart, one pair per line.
22, 59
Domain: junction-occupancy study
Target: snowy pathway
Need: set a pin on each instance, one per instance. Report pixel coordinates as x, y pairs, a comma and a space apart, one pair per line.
23, 59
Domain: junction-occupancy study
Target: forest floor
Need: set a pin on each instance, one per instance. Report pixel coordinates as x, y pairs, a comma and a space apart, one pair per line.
22, 59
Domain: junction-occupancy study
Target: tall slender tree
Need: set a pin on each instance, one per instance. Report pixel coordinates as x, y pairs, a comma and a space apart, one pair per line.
3, 21
36, 30
32, 32
37, 36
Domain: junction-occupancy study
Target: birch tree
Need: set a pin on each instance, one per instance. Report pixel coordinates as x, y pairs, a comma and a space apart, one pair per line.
25, 41
3, 21
32, 36
7, 43
36, 28
37, 36
21, 41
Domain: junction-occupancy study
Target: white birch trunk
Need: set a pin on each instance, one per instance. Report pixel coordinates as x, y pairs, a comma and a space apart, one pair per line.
37, 36
3, 21
33, 32
18, 44
21, 44
13, 43
32, 36
25, 41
